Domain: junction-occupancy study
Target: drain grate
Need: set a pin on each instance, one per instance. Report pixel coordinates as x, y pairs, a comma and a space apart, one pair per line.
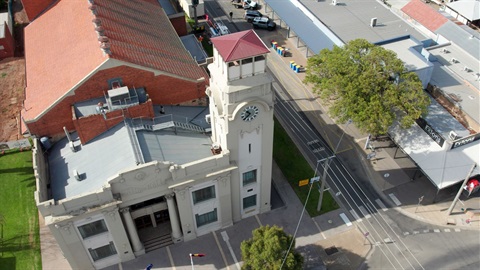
331, 250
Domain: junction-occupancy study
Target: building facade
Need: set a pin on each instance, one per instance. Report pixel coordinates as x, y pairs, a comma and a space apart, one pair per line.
147, 183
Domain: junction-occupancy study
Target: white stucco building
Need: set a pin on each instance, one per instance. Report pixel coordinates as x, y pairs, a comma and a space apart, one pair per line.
146, 183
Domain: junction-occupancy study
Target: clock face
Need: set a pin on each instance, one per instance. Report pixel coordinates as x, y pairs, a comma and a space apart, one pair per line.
249, 113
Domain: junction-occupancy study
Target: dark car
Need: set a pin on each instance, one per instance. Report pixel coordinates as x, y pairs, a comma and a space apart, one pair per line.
252, 14
264, 23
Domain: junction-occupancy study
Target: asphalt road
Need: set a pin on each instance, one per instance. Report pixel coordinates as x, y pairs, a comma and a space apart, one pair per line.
399, 241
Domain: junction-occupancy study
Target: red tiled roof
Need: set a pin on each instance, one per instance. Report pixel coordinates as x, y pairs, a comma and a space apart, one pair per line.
239, 45
424, 14
62, 47
35, 7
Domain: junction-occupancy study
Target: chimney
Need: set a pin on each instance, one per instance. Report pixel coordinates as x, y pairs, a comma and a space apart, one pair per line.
103, 39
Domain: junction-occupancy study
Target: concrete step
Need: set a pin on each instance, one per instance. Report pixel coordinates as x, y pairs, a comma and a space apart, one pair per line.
158, 242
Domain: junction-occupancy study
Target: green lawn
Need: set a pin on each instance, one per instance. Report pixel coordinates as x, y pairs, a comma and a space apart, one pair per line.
19, 231
296, 168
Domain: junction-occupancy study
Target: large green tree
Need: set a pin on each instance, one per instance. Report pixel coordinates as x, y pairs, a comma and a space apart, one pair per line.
367, 84
267, 249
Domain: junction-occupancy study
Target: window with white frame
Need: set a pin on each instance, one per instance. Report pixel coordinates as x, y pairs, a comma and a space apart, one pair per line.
250, 201
93, 228
102, 252
249, 177
206, 218
203, 194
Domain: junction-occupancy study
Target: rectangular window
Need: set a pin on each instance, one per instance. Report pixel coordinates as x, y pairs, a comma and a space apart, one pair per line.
93, 228
115, 83
102, 252
203, 194
249, 148
250, 201
249, 177
206, 218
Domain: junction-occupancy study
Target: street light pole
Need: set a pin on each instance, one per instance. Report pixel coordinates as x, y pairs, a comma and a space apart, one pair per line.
325, 168
449, 211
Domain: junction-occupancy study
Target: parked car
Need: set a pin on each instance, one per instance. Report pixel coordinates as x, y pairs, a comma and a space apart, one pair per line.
245, 4
251, 14
264, 23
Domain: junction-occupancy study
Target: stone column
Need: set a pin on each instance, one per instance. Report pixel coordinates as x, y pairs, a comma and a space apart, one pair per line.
132, 230
174, 222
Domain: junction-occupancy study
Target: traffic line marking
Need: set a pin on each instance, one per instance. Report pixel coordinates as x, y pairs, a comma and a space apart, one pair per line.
436, 230
345, 219
426, 231
406, 233
170, 258
226, 239
382, 206
416, 232
457, 230
447, 230
394, 199
355, 215
364, 212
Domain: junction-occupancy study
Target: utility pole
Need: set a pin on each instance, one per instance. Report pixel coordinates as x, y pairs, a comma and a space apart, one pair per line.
450, 209
325, 169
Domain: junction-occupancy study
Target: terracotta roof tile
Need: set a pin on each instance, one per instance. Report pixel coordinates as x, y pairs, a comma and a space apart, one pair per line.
239, 45
424, 14
62, 46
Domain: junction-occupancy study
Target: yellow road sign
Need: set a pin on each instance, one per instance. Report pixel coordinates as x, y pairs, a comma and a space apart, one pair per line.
303, 182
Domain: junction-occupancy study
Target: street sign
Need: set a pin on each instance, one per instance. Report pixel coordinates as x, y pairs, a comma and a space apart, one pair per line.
314, 179
304, 182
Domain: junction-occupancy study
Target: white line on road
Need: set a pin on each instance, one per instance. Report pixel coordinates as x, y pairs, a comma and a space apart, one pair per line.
345, 219
426, 231
436, 230
258, 221
318, 227
355, 215
406, 233
226, 239
394, 199
416, 232
170, 258
447, 230
364, 212
457, 230
382, 206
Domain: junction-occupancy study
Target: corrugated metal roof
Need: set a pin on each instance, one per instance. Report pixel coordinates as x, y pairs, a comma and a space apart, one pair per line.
239, 45
469, 42
469, 9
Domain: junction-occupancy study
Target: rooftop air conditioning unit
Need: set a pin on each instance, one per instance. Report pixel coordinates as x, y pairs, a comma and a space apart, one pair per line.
444, 50
76, 175
72, 147
373, 22
454, 60
465, 68
453, 135
334, 2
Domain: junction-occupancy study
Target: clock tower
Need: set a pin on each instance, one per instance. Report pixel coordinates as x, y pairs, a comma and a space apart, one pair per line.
241, 113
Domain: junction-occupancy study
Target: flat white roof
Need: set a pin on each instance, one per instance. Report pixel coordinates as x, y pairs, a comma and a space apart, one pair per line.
403, 48
441, 164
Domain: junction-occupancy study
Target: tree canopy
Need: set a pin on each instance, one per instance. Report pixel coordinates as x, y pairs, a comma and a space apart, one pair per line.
267, 248
367, 84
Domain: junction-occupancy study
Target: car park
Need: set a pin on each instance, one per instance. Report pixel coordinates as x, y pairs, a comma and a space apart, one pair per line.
264, 23
252, 14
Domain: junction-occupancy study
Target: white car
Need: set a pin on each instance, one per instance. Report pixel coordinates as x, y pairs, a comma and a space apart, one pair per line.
249, 4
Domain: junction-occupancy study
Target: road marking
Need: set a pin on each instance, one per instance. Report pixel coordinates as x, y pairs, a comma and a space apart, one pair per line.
226, 239
457, 230
364, 212
345, 219
318, 227
394, 199
338, 193
355, 215
258, 221
436, 230
382, 206
170, 258
447, 230
426, 231
416, 232
406, 233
